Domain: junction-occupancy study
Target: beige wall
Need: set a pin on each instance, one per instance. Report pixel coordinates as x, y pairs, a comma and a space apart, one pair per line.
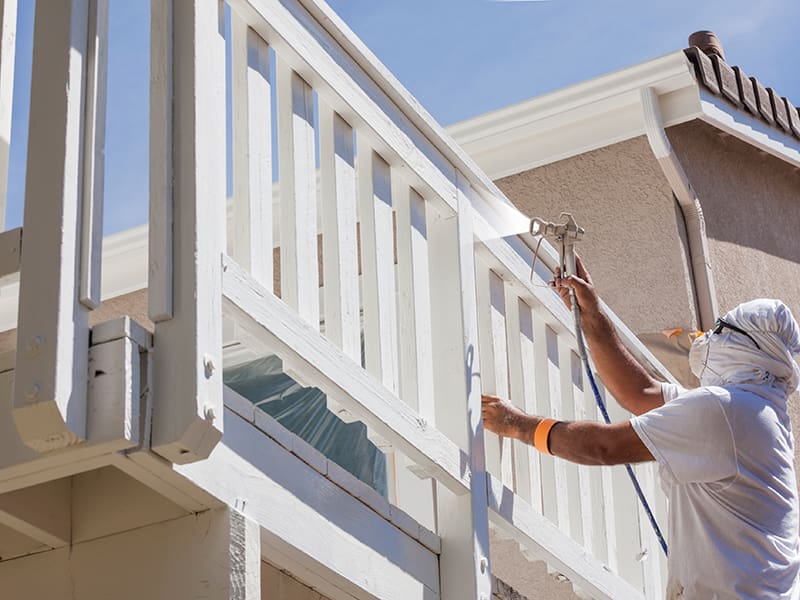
634, 243
751, 202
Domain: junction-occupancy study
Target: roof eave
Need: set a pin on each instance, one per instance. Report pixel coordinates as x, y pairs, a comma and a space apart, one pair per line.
605, 111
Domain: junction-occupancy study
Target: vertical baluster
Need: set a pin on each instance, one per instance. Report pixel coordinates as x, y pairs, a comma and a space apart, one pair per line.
530, 380
160, 220
569, 372
377, 265
462, 520
592, 478
340, 246
187, 409
584, 499
8, 31
494, 363
53, 332
489, 383
339, 239
414, 325
625, 507
548, 387
94, 153
516, 375
298, 194
251, 242
651, 564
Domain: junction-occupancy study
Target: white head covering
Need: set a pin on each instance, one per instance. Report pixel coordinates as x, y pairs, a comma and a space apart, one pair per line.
731, 358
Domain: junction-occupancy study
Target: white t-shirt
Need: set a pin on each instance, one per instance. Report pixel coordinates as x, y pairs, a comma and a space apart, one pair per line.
725, 458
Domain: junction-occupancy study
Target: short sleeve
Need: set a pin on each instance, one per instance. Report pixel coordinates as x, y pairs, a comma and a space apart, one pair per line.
690, 437
670, 391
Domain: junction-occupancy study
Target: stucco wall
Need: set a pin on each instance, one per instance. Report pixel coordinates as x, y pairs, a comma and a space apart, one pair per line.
751, 202
634, 244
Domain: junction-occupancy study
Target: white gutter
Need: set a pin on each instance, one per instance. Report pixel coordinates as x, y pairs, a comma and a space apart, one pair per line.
690, 207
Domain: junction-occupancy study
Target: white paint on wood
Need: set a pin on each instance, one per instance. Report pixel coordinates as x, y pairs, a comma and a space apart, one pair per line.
570, 373
189, 557
298, 194
307, 519
654, 585
41, 512
160, 238
339, 242
494, 364
266, 318
251, 242
106, 501
94, 137
543, 539
529, 401
548, 392
114, 401
588, 477
624, 507
377, 265
187, 410
8, 37
523, 452
53, 333
463, 524
414, 300
415, 337
10, 254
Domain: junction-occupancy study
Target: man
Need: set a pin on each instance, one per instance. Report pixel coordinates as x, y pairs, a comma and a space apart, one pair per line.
725, 450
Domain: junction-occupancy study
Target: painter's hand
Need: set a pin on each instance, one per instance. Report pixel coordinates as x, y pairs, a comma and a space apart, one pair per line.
502, 417
588, 300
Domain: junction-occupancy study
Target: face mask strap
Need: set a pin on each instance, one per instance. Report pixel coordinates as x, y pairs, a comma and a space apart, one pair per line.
720, 325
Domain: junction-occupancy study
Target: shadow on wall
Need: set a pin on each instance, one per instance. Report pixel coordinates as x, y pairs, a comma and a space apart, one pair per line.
749, 198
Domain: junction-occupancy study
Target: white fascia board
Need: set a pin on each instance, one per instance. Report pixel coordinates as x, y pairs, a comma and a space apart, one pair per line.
605, 111
579, 118
717, 111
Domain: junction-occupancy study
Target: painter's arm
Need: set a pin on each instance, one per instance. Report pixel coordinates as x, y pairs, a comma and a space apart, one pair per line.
584, 442
622, 375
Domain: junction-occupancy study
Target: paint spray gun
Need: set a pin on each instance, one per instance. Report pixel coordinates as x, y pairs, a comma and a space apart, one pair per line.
565, 235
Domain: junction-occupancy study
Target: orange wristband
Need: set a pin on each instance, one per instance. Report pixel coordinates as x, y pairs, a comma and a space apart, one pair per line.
541, 435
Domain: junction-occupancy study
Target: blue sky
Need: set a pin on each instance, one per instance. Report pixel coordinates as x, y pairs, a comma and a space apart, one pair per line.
460, 58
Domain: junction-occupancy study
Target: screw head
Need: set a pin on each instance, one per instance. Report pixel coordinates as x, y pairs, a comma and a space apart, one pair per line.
35, 345
209, 413
484, 564
31, 392
208, 365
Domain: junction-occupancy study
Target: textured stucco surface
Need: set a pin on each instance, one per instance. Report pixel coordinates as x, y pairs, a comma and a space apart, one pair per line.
634, 243
751, 202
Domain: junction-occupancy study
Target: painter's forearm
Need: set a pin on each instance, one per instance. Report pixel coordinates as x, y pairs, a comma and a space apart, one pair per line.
621, 373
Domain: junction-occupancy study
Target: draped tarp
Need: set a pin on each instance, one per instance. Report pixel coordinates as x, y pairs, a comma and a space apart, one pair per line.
303, 411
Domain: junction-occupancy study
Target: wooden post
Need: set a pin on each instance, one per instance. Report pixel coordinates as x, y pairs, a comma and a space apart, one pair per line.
463, 520
8, 31
187, 399
53, 327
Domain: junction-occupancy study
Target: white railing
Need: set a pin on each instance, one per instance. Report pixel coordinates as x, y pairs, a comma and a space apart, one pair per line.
381, 229
399, 226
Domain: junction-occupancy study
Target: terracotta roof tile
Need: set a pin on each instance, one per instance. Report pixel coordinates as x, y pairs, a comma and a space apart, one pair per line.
704, 68
733, 84
727, 80
794, 117
747, 92
764, 104
779, 108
